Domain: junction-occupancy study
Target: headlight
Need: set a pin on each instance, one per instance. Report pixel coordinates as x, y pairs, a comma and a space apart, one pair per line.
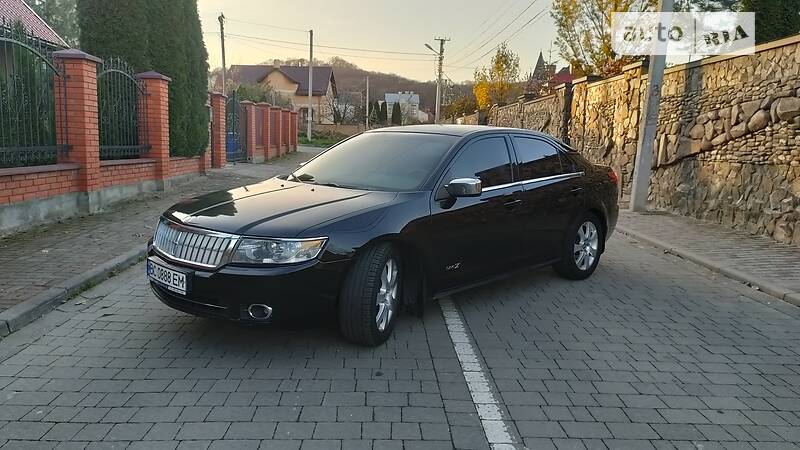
277, 251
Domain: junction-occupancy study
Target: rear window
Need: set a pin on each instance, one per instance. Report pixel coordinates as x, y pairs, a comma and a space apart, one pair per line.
384, 161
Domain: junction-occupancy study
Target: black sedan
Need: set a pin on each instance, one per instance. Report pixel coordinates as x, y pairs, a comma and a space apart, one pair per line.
380, 223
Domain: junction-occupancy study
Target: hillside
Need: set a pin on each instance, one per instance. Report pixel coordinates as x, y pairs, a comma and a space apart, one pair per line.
351, 78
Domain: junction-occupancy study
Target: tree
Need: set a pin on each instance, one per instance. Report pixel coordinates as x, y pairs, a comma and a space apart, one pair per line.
384, 116
496, 84
463, 104
774, 18
397, 114
583, 30
160, 35
59, 14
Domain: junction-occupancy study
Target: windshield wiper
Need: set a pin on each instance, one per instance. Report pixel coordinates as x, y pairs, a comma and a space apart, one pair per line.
336, 185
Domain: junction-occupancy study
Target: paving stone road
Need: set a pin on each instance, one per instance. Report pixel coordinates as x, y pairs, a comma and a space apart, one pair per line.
40, 258
651, 352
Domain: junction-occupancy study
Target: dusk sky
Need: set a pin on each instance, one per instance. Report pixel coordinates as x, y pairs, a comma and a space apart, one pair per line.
398, 26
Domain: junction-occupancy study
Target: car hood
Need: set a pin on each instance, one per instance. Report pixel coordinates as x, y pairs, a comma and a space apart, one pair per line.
273, 208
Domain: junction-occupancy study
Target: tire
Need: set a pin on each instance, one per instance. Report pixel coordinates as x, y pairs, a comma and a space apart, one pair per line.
363, 292
581, 252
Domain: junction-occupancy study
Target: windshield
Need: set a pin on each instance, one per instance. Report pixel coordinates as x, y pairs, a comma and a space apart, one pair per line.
385, 161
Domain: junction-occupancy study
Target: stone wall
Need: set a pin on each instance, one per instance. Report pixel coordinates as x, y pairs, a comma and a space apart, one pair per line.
728, 146
548, 114
604, 120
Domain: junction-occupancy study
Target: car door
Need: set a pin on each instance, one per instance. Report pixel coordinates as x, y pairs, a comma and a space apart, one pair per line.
551, 196
476, 237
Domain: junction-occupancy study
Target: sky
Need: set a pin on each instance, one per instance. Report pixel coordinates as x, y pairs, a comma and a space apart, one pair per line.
403, 27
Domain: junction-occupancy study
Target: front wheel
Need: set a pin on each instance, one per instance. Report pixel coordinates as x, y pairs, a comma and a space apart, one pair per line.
581, 252
370, 299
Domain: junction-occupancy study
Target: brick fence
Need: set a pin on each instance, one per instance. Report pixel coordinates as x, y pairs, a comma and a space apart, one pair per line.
82, 183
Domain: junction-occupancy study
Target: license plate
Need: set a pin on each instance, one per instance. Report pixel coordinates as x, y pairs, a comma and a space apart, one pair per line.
171, 279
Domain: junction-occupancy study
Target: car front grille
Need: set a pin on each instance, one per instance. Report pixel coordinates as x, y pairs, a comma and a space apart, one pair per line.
192, 245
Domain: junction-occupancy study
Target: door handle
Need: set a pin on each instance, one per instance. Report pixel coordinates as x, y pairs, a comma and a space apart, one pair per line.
512, 203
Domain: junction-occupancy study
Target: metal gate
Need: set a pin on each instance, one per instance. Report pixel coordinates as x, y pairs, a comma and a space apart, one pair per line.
121, 100
235, 130
32, 123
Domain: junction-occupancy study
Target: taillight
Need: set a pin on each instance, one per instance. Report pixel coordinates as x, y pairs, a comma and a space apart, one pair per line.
613, 176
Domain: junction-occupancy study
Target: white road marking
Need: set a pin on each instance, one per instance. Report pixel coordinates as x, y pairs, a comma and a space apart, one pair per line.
497, 430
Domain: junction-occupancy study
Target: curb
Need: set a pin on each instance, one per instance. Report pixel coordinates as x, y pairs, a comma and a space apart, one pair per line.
16, 317
768, 287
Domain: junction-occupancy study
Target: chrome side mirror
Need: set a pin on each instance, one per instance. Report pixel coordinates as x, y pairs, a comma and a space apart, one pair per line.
464, 187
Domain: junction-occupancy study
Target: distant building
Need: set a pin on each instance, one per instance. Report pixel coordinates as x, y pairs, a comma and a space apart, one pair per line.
544, 78
17, 11
409, 106
292, 83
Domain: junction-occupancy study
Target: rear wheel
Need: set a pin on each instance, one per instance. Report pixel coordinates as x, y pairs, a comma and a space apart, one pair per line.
370, 299
581, 251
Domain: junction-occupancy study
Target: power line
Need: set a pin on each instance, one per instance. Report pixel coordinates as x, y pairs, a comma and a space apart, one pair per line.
277, 27
511, 36
305, 44
502, 10
497, 33
263, 46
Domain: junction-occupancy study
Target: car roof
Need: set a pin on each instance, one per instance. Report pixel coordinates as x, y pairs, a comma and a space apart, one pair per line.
452, 130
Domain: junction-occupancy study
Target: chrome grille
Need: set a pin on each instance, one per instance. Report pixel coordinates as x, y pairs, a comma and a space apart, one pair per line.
192, 245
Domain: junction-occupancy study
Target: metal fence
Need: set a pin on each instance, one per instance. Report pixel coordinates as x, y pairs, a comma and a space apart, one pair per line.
236, 130
121, 104
31, 131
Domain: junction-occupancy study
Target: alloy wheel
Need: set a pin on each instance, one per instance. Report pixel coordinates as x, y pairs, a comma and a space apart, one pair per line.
386, 300
586, 245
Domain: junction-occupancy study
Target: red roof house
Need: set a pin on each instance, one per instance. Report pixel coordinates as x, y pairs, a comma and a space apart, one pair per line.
13, 11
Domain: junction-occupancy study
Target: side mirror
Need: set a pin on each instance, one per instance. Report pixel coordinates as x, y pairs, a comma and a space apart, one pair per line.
464, 187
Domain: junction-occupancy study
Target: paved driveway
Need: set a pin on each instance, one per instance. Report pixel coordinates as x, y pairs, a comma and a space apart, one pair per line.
652, 352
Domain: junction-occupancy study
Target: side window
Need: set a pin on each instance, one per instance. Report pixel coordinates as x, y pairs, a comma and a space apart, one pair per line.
536, 158
486, 159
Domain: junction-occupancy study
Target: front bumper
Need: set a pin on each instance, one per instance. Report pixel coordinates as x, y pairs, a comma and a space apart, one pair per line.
292, 291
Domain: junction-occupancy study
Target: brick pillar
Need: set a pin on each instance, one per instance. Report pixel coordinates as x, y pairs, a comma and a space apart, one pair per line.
250, 128
286, 127
205, 158
78, 99
218, 131
293, 132
276, 112
269, 152
155, 119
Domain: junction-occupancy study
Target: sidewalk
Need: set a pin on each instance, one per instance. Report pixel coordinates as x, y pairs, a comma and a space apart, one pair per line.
756, 260
48, 264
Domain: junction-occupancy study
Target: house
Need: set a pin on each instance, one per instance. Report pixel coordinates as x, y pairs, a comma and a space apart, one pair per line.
40, 34
17, 11
409, 106
544, 78
292, 83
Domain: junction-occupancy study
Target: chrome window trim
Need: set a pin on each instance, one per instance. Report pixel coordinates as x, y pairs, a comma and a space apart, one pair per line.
524, 183
559, 177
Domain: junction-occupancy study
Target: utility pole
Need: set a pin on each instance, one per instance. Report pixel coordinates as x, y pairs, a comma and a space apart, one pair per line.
366, 108
310, 80
648, 126
221, 19
439, 87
